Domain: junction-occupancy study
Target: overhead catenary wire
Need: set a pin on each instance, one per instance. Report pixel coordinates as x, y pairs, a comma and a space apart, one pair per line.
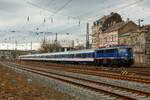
51, 12
116, 9
120, 8
61, 8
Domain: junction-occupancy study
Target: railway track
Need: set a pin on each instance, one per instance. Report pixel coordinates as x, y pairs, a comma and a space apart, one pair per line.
141, 71
97, 72
107, 90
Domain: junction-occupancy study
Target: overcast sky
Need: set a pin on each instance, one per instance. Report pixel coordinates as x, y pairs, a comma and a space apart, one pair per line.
62, 16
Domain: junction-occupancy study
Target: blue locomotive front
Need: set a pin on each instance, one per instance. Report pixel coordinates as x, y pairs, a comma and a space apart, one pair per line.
120, 55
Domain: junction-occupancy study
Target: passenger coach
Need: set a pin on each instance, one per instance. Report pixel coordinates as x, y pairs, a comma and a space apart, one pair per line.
118, 55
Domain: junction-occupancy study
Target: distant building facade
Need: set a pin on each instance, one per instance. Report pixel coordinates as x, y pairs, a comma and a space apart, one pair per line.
66, 45
107, 30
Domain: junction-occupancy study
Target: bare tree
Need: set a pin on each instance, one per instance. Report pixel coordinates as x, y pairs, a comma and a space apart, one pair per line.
47, 46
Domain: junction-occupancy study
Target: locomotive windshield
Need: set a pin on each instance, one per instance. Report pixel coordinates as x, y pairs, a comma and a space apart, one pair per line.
125, 52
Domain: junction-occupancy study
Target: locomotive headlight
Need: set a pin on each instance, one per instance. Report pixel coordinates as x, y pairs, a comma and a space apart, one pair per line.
126, 54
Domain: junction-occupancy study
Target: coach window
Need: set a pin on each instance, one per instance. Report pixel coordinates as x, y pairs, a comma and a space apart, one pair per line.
79, 55
76, 55
67, 55
88, 55
71, 55
59, 56
92, 55
63, 56
84, 55
49, 56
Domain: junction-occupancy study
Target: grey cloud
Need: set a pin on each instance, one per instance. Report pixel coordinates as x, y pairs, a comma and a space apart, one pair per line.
10, 6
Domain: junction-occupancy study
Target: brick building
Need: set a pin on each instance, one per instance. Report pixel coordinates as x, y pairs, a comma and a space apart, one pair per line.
107, 30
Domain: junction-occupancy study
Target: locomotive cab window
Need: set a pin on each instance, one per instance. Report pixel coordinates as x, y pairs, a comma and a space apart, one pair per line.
122, 50
100, 51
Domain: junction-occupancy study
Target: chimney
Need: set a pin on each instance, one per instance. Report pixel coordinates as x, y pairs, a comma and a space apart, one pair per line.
128, 20
112, 13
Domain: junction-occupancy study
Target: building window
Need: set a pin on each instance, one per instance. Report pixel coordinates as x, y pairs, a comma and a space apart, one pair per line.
97, 23
112, 38
94, 23
114, 22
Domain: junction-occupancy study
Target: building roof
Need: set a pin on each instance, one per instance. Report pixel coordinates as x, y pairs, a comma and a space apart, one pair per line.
115, 27
118, 26
106, 18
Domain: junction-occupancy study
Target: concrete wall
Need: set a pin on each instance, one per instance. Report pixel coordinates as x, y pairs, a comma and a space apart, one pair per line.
147, 47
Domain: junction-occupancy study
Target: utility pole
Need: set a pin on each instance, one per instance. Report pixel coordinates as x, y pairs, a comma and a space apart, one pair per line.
31, 46
87, 37
56, 39
16, 45
56, 42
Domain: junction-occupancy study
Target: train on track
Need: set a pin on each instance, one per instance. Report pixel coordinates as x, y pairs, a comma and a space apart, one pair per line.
117, 55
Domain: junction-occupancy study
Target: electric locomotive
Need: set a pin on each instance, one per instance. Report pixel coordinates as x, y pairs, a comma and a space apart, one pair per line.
119, 55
